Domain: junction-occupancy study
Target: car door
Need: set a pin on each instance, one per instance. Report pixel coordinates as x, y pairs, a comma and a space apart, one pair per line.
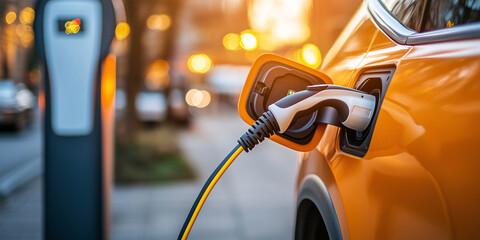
412, 174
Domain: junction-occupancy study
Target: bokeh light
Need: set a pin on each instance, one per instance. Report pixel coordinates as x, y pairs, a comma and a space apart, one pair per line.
205, 99
248, 41
157, 76
189, 96
199, 63
27, 15
27, 39
311, 56
198, 98
159, 22
10, 17
25, 33
280, 23
122, 30
231, 41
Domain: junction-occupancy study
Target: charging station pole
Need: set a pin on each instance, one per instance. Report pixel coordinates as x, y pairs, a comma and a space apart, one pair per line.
73, 38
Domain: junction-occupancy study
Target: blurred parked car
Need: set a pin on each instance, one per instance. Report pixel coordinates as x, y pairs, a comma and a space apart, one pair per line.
151, 106
228, 79
414, 172
16, 104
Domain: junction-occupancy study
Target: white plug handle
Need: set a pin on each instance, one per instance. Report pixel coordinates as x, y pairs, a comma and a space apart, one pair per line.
355, 109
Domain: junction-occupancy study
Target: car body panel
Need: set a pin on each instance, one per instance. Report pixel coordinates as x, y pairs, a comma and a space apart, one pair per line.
437, 124
350, 48
315, 163
314, 189
419, 178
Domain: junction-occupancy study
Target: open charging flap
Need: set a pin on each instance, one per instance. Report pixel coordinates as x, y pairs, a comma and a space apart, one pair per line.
271, 78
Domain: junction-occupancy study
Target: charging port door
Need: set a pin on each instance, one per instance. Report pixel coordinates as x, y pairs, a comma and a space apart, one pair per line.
374, 82
271, 78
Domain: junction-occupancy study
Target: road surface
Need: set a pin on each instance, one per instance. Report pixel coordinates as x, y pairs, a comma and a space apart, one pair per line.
20, 155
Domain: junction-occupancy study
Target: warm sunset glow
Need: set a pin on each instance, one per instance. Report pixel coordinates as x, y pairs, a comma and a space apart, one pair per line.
199, 63
279, 23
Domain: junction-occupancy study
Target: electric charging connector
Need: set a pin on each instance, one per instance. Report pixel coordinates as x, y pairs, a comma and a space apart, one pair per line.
340, 106
263, 128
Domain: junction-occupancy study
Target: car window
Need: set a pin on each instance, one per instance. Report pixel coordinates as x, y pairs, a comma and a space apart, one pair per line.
451, 13
7, 89
408, 12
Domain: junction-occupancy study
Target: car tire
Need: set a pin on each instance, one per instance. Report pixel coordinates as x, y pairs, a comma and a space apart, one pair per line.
309, 222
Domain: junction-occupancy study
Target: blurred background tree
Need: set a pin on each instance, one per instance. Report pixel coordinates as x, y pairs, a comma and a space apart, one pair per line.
134, 66
152, 36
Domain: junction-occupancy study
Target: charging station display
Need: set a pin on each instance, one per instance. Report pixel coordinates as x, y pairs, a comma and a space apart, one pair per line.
72, 84
71, 25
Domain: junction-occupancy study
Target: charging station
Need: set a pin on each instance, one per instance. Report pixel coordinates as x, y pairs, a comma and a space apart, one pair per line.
73, 38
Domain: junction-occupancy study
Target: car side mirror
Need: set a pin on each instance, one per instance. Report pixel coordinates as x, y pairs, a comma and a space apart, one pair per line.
271, 78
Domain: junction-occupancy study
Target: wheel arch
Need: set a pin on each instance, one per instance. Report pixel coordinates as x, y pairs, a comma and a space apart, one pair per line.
314, 190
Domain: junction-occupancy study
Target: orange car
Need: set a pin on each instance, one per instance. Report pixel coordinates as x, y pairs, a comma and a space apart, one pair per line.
415, 172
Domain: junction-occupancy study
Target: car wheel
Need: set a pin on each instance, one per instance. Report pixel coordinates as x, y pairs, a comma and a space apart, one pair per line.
309, 224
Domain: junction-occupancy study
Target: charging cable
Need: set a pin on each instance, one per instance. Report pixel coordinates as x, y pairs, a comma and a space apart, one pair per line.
207, 188
353, 109
263, 128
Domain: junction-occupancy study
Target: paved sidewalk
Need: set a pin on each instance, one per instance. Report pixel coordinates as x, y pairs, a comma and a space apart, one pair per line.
258, 188
20, 155
21, 213
253, 200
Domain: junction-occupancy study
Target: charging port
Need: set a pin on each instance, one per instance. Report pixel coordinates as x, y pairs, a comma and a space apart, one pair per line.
374, 82
273, 82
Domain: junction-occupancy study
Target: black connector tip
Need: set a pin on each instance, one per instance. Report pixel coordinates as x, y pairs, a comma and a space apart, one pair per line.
263, 128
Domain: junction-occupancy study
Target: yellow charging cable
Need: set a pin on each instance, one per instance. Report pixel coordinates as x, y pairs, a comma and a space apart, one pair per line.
263, 128
207, 188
